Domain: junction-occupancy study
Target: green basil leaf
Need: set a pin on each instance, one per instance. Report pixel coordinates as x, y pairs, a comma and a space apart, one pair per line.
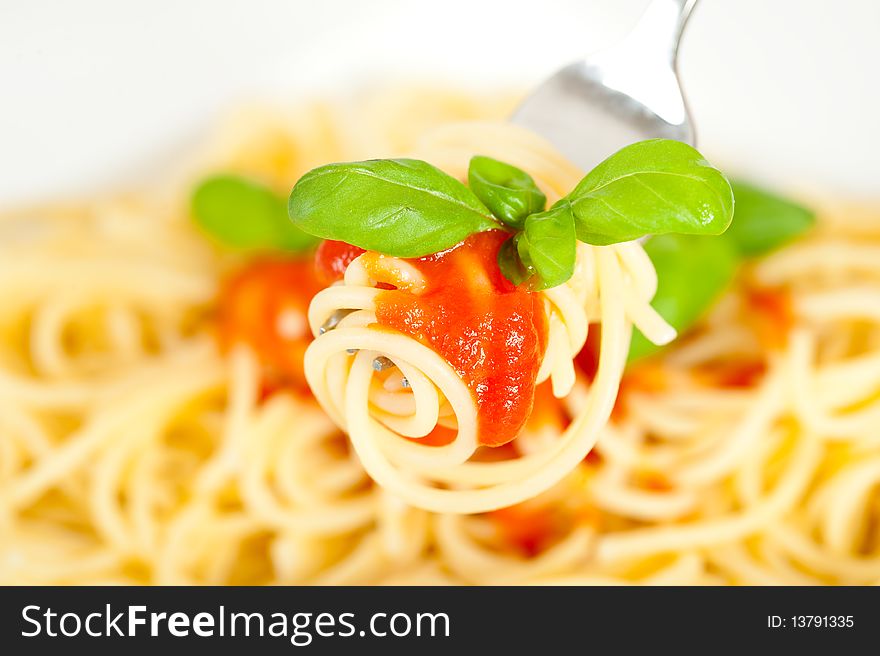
692, 272
543, 253
510, 263
245, 214
400, 207
649, 188
510, 193
549, 239
764, 221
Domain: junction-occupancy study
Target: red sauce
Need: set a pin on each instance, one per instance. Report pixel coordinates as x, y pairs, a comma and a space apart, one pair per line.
527, 528
440, 436
532, 527
490, 331
732, 373
333, 258
264, 306
771, 313
587, 359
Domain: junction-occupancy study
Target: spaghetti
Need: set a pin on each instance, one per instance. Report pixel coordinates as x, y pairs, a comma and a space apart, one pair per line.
134, 449
612, 286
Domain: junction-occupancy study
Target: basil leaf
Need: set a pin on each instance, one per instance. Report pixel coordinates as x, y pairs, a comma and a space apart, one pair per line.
649, 188
399, 207
692, 272
242, 213
549, 240
510, 263
764, 221
510, 193
543, 253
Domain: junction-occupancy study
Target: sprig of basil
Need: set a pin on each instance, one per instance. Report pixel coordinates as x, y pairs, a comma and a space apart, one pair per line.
543, 252
651, 188
547, 247
764, 221
400, 207
693, 271
515, 267
509, 192
244, 214
408, 208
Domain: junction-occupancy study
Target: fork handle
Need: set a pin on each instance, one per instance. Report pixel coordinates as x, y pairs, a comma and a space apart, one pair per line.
660, 28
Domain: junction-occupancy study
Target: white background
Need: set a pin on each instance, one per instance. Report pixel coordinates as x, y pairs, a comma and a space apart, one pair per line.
93, 90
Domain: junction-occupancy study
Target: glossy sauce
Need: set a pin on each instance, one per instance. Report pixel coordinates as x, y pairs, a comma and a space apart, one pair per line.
264, 306
333, 258
491, 332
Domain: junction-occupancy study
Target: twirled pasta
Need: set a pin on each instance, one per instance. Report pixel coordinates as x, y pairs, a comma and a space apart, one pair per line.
612, 286
133, 451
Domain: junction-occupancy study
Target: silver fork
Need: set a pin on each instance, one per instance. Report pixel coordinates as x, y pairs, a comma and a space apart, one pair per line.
625, 93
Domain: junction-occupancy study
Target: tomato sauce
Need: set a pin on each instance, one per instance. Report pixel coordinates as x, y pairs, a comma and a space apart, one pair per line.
532, 527
439, 436
490, 331
771, 313
332, 259
529, 528
587, 359
264, 306
734, 374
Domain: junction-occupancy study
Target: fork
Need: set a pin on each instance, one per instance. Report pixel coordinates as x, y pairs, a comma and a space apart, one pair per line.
619, 95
